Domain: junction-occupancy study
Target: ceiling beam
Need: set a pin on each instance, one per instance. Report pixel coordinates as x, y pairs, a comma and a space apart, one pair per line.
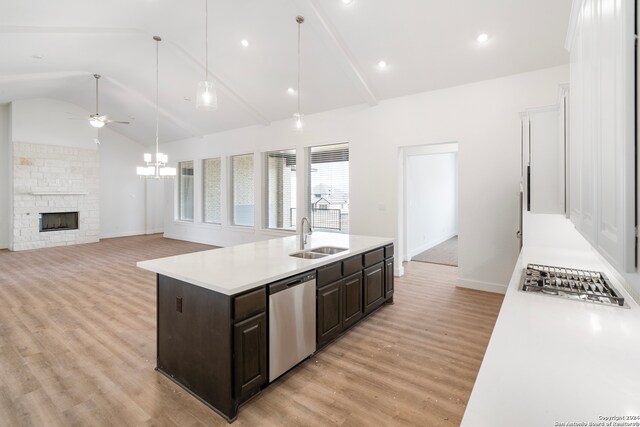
119, 32
345, 56
53, 75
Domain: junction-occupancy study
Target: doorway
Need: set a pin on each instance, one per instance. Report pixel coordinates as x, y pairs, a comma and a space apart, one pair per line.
431, 203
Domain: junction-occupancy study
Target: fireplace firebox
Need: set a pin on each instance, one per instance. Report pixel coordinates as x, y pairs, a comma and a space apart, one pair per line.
55, 221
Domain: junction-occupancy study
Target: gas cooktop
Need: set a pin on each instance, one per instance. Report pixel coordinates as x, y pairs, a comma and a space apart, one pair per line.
584, 285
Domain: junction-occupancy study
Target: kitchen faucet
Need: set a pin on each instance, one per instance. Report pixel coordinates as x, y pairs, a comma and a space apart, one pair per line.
303, 235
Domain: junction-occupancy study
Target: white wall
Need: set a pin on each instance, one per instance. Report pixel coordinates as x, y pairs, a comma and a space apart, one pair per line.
45, 121
432, 208
5, 142
482, 117
123, 195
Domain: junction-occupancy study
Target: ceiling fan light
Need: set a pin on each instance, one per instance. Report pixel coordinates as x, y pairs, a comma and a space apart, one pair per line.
96, 123
147, 157
207, 99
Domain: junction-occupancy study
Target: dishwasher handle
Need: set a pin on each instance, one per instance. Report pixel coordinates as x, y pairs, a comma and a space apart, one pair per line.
291, 282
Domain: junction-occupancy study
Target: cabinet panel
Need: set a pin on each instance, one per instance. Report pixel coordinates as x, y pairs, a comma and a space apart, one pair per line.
373, 287
329, 274
329, 316
352, 298
249, 304
388, 280
250, 345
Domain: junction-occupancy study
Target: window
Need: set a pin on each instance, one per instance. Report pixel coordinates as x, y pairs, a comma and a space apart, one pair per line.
211, 191
280, 167
242, 192
329, 187
185, 191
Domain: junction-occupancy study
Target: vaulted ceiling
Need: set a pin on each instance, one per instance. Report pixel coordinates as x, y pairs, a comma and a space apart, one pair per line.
427, 45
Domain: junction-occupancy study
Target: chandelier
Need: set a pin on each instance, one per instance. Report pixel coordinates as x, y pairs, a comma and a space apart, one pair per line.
156, 168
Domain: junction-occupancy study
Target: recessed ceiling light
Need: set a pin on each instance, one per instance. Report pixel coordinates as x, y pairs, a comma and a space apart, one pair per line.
37, 56
244, 43
483, 38
347, 1
186, 98
382, 64
291, 90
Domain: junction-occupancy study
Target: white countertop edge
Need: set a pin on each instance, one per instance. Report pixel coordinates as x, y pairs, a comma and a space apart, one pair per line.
311, 264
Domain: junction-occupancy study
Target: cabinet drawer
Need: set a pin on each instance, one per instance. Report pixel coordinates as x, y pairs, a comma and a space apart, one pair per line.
388, 251
329, 274
351, 265
249, 304
373, 257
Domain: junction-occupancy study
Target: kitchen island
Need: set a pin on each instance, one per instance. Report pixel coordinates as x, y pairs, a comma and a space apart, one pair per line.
213, 307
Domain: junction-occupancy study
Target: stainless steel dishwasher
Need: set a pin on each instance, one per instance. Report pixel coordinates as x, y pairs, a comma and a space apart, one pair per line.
292, 322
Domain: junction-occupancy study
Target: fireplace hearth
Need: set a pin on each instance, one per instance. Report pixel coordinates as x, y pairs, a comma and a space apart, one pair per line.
55, 221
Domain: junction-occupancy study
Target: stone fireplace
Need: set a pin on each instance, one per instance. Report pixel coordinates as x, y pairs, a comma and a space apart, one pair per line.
56, 199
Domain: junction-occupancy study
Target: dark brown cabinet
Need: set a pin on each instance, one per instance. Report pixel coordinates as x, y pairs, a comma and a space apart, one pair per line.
329, 314
373, 280
388, 280
250, 354
352, 299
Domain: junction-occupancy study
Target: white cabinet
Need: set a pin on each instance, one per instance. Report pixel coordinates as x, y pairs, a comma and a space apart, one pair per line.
602, 123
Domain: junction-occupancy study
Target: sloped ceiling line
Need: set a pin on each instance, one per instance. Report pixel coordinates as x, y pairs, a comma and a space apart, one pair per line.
343, 52
118, 32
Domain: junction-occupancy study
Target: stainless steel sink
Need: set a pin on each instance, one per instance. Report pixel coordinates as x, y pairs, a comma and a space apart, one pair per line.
308, 255
327, 250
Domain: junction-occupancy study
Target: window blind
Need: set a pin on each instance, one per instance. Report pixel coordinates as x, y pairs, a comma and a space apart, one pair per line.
329, 187
242, 191
185, 191
212, 191
280, 170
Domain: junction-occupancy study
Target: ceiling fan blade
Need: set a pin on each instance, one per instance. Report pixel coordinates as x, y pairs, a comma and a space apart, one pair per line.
118, 121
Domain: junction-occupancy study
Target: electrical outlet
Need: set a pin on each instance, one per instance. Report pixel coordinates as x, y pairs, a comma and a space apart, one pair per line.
179, 304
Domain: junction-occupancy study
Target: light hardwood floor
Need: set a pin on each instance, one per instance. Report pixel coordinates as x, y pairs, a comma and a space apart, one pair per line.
77, 347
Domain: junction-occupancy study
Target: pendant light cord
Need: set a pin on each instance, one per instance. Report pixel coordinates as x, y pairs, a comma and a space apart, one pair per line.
206, 40
157, 99
299, 23
96, 96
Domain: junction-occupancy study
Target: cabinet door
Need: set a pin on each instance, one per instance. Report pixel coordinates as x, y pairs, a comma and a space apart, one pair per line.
250, 346
352, 294
388, 278
329, 316
373, 287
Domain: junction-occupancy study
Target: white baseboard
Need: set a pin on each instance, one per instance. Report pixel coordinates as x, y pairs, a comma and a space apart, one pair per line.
200, 240
122, 234
482, 286
155, 231
429, 245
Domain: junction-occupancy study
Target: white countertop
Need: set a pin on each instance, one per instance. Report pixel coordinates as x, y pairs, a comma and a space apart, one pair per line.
552, 360
235, 269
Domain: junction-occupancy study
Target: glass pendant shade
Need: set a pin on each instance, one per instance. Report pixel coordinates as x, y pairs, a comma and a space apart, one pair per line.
298, 124
207, 99
147, 157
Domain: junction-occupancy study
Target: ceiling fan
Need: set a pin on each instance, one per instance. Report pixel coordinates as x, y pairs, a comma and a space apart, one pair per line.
97, 120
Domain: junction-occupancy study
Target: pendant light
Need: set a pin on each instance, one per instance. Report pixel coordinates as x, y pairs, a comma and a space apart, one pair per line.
298, 124
206, 98
156, 169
